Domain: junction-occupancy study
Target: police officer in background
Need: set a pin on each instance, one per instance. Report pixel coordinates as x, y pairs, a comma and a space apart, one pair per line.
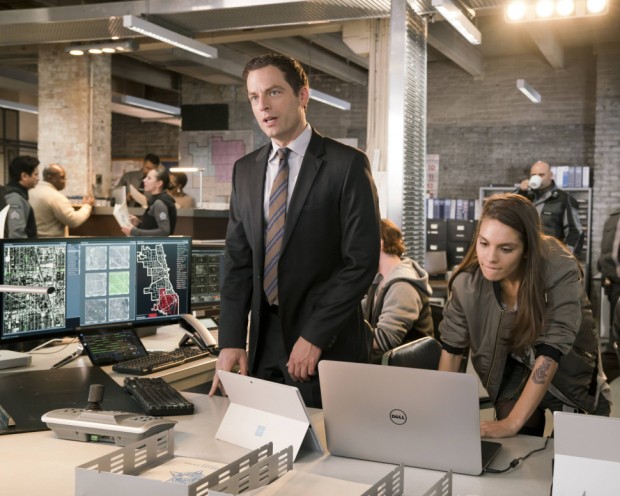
609, 265
559, 212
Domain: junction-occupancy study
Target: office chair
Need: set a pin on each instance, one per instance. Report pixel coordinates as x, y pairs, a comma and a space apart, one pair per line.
422, 353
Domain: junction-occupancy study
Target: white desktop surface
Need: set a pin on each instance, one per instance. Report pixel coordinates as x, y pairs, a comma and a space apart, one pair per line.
40, 463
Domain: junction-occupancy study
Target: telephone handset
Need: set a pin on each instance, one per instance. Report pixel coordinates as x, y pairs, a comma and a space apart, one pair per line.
197, 332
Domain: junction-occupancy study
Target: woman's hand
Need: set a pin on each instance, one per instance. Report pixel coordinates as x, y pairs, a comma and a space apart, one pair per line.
499, 428
127, 230
134, 220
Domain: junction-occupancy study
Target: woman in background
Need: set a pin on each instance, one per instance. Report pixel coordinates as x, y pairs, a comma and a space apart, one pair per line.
160, 217
397, 305
178, 181
518, 302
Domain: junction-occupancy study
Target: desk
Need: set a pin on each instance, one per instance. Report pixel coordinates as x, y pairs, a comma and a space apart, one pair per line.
41, 463
167, 338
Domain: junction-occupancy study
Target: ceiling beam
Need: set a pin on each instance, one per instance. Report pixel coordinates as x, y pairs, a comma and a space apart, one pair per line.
334, 43
548, 44
19, 81
443, 38
319, 59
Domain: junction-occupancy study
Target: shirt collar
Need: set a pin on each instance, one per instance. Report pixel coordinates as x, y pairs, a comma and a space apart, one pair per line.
297, 146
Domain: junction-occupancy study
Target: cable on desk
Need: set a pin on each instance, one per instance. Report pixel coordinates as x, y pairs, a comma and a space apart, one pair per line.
517, 461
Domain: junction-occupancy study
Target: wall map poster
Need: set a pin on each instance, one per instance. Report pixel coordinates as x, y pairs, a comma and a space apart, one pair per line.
215, 152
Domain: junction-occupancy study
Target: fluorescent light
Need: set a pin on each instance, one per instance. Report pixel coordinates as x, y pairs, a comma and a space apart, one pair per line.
319, 96
458, 20
200, 170
528, 91
167, 36
104, 47
146, 104
185, 169
22, 107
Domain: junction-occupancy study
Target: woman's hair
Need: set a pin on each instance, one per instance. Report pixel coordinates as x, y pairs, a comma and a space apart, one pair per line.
162, 174
181, 179
518, 213
392, 238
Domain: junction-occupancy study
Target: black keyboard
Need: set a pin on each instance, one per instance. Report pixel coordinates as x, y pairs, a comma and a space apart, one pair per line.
157, 397
160, 360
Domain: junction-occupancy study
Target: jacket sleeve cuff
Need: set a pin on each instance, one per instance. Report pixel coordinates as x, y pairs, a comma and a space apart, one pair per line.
548, 351
452, 349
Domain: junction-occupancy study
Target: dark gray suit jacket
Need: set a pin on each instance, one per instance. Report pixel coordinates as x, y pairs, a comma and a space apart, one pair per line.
329, 255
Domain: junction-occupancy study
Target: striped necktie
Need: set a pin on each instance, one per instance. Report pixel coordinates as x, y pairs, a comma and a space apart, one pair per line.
275, 227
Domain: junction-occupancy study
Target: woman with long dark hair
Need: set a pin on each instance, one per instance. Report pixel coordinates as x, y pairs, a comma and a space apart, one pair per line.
518, 302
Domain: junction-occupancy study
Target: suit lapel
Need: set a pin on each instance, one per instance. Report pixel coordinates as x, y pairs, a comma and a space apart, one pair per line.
257, 187
310, 166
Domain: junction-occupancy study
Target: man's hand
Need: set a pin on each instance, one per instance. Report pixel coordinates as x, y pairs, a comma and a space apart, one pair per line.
303, 360
228, 358
524, 185
88, 200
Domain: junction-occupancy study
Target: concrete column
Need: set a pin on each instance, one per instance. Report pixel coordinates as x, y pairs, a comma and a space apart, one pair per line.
75, 121
406, 126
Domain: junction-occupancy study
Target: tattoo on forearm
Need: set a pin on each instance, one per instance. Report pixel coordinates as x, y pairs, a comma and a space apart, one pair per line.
539, 374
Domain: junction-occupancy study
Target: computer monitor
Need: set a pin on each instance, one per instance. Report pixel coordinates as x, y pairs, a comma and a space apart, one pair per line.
206, 276
96, 281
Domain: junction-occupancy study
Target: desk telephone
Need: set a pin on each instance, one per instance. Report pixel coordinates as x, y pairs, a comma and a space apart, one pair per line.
93, 424
197, 332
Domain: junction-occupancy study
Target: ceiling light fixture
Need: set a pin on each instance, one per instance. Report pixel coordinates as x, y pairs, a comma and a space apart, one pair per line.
459, 21
22, 107
544, 10
528, 91
146, 104
105, 47
319, 96
147, 28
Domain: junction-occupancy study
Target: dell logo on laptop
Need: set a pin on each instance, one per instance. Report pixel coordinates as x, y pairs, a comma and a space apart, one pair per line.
398, 417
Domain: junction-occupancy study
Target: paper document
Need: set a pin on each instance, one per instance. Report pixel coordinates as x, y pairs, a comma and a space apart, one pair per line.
137, 196
3, 213
121, 214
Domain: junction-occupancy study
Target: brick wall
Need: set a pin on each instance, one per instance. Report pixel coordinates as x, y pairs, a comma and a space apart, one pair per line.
487, 132
74, 116
132, 138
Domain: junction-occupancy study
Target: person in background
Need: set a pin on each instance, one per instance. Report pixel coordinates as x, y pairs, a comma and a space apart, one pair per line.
53, 210
136, 178
559, 211
23, 176
397, 304
518, 302
178, 181
160, 217
302, 266
609, 265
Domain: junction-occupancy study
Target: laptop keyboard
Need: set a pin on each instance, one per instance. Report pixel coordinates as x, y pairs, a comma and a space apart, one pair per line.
157, 397
160, 360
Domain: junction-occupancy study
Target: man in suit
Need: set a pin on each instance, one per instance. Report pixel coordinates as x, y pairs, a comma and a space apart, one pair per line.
329, 251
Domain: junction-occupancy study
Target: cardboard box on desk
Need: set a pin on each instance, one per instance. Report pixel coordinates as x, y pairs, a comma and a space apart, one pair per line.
146, 467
